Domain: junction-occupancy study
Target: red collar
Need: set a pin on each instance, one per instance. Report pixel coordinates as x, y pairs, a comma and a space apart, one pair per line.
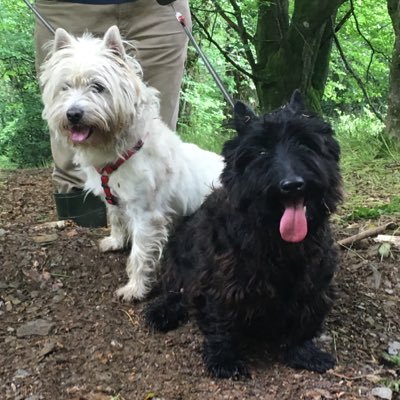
106, 171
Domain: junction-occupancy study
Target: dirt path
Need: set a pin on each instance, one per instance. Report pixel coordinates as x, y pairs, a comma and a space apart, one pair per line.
64, 336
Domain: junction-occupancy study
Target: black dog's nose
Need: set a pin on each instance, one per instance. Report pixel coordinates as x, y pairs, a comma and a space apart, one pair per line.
295, 184
74, 114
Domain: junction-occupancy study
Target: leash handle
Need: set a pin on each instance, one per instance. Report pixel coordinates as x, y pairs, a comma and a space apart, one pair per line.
211, 70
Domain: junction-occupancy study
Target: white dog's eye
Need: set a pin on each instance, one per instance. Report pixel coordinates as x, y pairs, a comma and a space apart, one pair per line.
98, 87
65, 87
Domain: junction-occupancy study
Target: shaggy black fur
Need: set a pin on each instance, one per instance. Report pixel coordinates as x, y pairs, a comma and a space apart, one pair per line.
239, 266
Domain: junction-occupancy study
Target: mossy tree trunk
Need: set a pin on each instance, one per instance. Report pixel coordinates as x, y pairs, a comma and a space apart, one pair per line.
393, 115
293, 53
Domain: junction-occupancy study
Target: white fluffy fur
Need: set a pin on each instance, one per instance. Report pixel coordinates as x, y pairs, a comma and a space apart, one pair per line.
165, 178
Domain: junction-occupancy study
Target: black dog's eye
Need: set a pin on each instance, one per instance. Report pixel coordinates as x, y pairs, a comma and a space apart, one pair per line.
244, 159
311, 147
262, 153
98, 87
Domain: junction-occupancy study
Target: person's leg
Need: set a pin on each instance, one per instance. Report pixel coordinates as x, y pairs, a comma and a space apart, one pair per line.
162, 48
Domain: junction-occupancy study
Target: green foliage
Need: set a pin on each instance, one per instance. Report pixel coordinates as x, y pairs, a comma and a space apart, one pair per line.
355, 129
370, 167
202, 114
23, 138
368, 56
392, 359
360, 212
203, 109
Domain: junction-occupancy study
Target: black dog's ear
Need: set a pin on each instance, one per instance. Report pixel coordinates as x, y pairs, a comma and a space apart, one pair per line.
297, 104
242, 115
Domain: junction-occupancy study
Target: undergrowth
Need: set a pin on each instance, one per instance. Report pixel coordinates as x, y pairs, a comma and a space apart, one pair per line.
370, 166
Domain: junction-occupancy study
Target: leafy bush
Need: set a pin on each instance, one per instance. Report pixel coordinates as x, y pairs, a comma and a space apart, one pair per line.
367, 41
23, 138
202, 115
370, 165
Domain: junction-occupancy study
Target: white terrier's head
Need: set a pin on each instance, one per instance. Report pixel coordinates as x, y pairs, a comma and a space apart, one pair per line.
92, 89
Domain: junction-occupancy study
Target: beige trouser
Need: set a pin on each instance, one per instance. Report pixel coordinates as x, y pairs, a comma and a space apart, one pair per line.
161, 44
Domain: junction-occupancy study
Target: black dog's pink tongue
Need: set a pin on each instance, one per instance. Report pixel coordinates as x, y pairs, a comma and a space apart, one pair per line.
293, 226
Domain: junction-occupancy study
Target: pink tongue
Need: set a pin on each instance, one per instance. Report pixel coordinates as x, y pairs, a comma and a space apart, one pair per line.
79, 135
293, 226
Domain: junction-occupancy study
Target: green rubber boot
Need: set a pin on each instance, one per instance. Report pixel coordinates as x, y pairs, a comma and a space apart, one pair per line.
85, 209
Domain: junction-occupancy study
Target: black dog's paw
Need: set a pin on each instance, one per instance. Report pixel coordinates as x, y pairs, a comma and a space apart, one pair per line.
225, 366
308, 356
165, 313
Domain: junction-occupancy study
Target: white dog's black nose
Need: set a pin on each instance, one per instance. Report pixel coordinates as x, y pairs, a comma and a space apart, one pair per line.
74, 114
294, 184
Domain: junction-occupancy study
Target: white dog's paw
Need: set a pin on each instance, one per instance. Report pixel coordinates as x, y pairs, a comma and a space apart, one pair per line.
132, 291
109, 243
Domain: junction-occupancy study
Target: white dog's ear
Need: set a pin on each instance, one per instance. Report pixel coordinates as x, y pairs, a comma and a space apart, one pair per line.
113, 41
61, 39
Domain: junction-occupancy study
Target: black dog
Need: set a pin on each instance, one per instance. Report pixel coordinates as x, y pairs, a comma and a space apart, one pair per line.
258, 257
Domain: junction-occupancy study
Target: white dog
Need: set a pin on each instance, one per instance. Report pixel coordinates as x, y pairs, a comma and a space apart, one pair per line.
94, 98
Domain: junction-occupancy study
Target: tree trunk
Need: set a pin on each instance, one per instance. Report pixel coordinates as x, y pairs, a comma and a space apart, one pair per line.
393, 115
296, 54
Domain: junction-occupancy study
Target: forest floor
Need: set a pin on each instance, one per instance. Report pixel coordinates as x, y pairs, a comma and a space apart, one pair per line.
63, 334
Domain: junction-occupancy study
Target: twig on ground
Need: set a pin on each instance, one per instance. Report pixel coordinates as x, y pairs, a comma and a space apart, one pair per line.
362, 235
349, 378
130, 318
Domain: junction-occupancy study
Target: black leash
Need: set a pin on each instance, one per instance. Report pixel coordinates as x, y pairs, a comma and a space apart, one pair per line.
39, 17
210, 68
181, 20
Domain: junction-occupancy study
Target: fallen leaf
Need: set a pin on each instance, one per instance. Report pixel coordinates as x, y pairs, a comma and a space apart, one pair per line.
97, 396
384, 250
44, 239
72, 233
373, 378
318, 394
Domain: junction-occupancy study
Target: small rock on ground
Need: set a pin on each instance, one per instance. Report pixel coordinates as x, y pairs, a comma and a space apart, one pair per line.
382, 393
38, 327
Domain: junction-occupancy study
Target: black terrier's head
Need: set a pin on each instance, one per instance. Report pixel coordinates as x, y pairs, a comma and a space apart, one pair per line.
283, 168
